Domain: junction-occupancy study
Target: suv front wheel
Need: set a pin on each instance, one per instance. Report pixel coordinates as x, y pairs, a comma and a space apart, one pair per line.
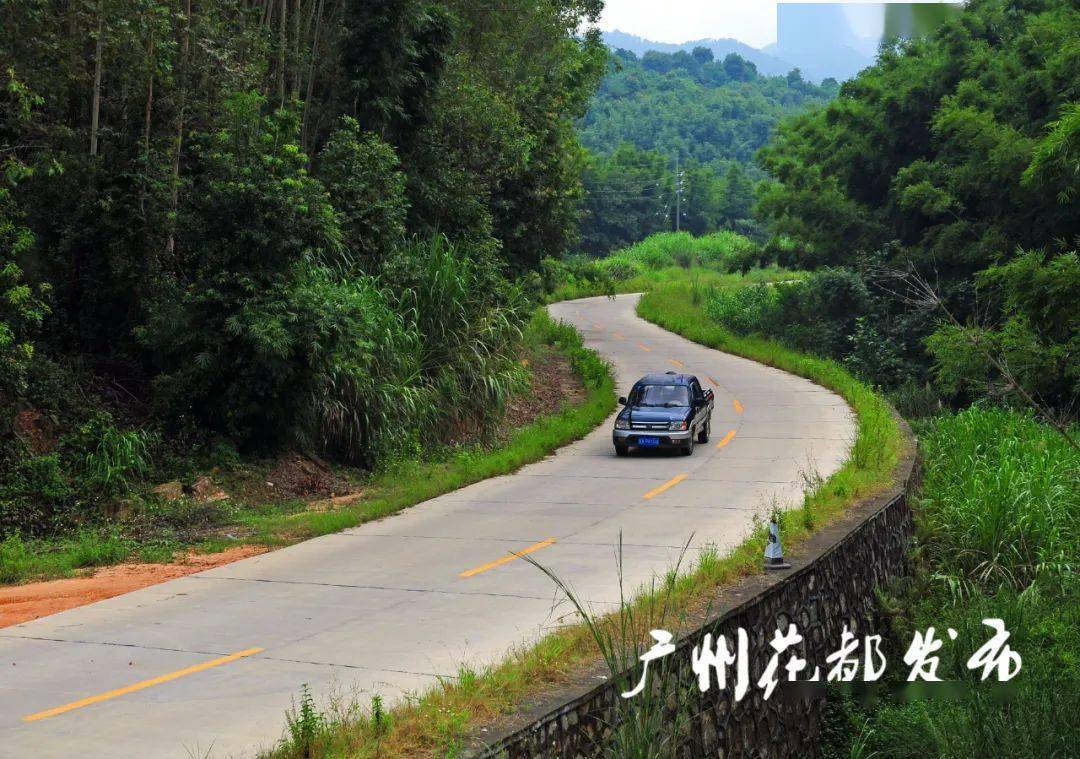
706, 430
689, 447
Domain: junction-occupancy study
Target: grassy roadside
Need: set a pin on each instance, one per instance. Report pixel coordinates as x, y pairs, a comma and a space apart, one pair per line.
998, 537
397, 486
436, 722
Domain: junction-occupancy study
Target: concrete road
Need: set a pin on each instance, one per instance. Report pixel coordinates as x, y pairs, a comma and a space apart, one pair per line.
209, 664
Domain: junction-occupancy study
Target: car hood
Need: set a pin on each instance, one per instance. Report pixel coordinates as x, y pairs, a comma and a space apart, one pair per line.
655, 414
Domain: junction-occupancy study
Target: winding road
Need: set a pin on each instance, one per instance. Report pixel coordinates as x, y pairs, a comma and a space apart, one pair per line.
208, 664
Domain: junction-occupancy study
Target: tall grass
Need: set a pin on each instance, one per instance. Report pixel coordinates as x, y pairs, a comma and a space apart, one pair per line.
116, 458
430, 341
1002, 497
998, 535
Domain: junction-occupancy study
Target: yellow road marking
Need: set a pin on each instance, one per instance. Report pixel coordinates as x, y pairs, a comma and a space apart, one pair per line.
669, 484
713, 381
737, 405
726, 439
507, 559
644, 347
677, 362
618, 336
140, 685
598, 326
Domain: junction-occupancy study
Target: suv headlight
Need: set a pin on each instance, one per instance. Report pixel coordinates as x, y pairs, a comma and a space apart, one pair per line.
677, 426
622, 424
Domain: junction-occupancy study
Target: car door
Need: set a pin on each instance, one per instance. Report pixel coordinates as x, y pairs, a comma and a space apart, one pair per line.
698, 397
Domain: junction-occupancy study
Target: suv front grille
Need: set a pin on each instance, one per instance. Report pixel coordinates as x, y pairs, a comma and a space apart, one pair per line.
648, 425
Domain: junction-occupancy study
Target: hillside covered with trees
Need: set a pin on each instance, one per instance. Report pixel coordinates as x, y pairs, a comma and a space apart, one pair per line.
937, 196
712, 115
258, 224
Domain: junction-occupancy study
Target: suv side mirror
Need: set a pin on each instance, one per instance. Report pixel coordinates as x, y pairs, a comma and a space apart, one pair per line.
622, 400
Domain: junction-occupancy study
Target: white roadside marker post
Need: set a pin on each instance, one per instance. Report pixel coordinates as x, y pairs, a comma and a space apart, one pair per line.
774, 552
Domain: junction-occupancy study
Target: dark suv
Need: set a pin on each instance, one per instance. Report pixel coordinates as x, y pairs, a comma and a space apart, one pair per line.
664, 411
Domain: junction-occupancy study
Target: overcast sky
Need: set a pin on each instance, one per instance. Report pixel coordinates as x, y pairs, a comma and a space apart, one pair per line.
749, 21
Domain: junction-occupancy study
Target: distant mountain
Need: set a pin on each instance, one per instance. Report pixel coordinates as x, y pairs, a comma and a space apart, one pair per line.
841, 62
767, 64
821, 39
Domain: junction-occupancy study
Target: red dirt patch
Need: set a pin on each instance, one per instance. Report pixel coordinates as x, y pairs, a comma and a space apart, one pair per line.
553, 385
35, 431
21, 603
300, 475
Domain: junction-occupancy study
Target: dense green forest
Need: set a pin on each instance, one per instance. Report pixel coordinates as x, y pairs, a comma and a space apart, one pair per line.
260, 224
937, 198
711, 115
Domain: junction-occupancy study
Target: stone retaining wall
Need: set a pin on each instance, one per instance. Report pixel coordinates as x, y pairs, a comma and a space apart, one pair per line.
831, 583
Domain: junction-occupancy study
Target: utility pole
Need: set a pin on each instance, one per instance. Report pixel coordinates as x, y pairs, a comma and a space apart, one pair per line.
678, 193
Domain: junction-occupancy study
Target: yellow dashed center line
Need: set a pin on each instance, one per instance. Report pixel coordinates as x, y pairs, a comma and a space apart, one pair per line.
713, 381
737, 405
507, 559
644, 347
677, 362
140, 685
726, 439
669, 484
618, 336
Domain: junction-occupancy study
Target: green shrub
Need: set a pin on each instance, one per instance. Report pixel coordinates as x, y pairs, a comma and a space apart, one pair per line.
620, 268
111, 459
872, 355
23, 306
230, 335
361, 174
34, 495
742, 309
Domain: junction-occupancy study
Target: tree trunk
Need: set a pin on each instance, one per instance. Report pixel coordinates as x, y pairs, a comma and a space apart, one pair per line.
147, 121
296, 50
282, 38
74, 65
149, 97
305, 139
185, 56
96, 112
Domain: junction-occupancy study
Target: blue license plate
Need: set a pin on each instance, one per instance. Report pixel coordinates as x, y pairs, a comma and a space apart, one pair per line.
648, 442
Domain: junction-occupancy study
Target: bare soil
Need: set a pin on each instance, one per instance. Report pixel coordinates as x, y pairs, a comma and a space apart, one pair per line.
553, 386
21, 603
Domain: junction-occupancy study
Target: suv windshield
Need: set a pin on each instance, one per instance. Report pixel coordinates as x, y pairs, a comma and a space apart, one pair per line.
662, 395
